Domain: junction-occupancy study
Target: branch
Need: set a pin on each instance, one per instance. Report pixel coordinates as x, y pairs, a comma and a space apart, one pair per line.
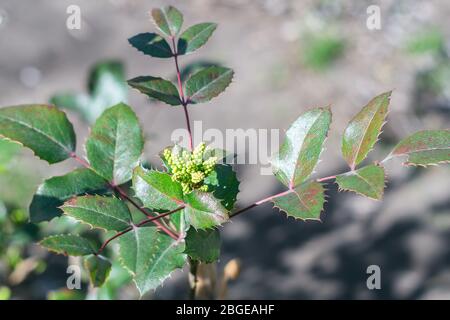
184, 101
275, 196
149, 219
124, 196
261, 202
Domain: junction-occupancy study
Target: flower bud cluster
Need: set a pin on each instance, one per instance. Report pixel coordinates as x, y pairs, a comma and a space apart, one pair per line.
189, 168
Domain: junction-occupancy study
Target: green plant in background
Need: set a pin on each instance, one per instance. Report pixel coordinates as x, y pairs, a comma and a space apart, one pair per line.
432, 84
15, 232
429, 40
321, 49
106, 87
180, 215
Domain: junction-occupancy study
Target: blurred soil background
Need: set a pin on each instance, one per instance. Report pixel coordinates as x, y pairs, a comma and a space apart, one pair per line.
288, 56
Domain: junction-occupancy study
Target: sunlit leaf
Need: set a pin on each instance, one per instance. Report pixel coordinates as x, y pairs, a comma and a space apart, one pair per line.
107, 213
168, 20
195, 37
207, 84
156, 189
302, 146
425, 148
68, 244
115, 144
363, 130
204, 211
303, 202
42, 128
368, 181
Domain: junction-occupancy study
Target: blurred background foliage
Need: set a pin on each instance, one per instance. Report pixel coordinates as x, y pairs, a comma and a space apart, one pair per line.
288, 56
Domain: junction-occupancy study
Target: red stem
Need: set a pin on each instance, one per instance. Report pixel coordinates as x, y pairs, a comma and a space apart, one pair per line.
260, 202
184, 101
112, 238
326, 178
275, 196
124, 196
137, 206
150, 219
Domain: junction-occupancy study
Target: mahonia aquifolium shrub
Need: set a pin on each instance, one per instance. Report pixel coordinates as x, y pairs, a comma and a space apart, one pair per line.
182, 206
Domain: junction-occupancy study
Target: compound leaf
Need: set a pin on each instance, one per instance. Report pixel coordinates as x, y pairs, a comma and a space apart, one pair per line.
99, 268
367, 181
195, 37
68, 244
51, 194
203, 245
108, 213
151, 44
423, 148
115, 144
168, 20
150, 256
42, 128
363, 130
207, 84
157, 88
303, 202
300, 151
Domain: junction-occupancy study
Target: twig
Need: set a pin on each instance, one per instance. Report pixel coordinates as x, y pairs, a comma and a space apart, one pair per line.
183, 99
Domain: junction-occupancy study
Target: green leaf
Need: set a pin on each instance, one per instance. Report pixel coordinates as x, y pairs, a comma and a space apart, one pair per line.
157, 88
204, 211
150, 256
363, 130
223, 156
54, 191
303, 202
300, 151
68, 244
207, 84
423, 148
99, 268
115, 144
100, 212
203, 245
42, 128
151, 44
195, 37
106, 88
8, 149
168, 20
367, 181
156, 189
224, 185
